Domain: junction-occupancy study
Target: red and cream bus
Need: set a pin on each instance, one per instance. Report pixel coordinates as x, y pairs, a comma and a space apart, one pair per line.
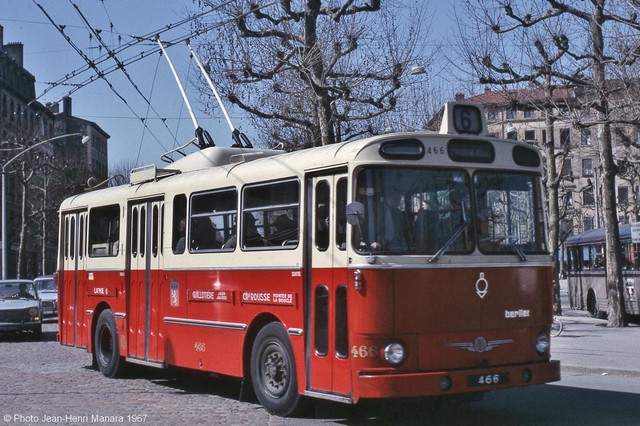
401, 265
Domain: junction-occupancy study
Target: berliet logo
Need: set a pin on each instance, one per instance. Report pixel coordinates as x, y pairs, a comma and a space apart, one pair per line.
480, 344
482, 286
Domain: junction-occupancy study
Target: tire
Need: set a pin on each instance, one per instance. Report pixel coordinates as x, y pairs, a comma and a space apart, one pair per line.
37, 332
107, 347
273, 371
592, 305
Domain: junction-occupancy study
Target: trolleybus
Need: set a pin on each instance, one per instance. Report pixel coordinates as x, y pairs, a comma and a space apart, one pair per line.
586, 275
401, 265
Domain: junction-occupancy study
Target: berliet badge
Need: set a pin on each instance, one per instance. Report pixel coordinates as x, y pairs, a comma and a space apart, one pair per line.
482, 286
480, 344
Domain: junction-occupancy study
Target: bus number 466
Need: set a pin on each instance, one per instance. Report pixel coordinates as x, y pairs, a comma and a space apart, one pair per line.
365, 351
488, 379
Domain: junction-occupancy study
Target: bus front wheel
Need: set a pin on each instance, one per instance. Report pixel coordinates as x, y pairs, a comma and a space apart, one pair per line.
273, 371
107, 348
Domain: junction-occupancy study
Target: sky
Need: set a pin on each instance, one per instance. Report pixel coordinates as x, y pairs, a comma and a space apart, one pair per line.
49, 58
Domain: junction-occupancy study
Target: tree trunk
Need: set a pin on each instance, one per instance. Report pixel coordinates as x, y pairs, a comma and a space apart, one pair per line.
615, 285
553, 205
22, 247
314, 60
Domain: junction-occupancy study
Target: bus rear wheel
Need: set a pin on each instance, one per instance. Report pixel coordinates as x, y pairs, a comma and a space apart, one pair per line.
592, 306
273, 371
107, 348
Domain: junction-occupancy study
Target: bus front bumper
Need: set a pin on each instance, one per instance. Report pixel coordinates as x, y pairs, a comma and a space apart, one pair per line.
441, 383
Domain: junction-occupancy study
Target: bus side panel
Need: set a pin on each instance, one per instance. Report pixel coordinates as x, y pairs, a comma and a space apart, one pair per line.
155, 322
632, 296
206, 315
102, 288
204, 348
66, 307
83, 321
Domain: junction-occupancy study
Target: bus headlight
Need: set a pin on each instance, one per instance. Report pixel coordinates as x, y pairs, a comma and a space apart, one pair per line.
542, 343
394, 353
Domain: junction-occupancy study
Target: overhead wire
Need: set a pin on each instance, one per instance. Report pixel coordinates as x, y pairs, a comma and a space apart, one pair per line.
99, 73
144, 128
112, 54
120, 66
134, 41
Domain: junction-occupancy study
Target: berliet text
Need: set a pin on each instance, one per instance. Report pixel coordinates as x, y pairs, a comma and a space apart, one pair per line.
520, 313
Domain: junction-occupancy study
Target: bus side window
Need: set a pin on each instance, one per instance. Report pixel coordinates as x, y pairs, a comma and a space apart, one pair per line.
104, 231
322, 216
271, 215
598, 257
212, 221
586, 258
341, 214
179, 223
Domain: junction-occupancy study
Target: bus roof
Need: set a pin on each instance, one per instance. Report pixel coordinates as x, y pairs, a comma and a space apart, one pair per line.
595, 236
237, 166
266, 165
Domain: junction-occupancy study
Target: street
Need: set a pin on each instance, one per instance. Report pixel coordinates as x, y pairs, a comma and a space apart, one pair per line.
45, 383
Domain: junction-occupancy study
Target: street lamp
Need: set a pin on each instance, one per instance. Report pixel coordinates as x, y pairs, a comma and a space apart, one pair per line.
4, 196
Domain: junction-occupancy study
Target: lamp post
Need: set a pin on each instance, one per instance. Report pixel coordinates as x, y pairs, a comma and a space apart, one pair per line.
4, 196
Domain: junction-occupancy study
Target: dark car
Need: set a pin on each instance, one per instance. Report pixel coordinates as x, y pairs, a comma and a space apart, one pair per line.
20, 308
48, 293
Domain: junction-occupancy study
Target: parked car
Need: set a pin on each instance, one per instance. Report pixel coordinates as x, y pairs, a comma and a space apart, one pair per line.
20, 307
48, 292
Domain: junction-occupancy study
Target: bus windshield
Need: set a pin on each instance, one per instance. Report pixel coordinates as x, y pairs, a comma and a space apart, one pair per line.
439, 211
509, 213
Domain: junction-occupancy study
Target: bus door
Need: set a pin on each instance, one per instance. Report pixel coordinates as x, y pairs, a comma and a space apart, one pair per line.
327, 342
144, 252
71, 309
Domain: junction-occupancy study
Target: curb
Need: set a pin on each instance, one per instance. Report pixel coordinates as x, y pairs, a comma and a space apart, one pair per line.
598, 370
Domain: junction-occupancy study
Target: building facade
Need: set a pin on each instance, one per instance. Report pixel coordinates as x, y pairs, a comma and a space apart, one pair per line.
45, 175
520, 114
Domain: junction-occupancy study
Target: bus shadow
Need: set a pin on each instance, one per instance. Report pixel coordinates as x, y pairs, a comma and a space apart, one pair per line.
536, 405
545, 404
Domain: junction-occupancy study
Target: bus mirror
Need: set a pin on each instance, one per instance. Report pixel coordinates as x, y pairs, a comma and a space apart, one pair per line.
355, 213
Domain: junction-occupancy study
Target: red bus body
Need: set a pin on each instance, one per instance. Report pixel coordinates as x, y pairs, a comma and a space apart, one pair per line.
466, 322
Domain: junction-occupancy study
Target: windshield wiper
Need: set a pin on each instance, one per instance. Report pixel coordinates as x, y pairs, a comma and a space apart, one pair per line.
454, 236
518, 251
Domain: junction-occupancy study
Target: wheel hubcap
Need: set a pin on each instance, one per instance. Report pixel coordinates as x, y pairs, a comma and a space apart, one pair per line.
275, 370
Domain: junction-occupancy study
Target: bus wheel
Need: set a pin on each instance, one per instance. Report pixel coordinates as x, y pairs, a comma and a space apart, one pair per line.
273, 371
107, 349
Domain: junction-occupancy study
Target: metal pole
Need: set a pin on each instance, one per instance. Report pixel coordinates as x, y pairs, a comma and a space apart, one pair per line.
175, 75
213, 88
4, 225
4, 196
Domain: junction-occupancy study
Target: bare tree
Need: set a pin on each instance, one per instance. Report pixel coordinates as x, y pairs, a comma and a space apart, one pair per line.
524, 57
314, 72
579, 34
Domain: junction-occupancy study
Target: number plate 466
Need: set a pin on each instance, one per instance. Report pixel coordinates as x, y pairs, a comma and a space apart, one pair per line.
488, 379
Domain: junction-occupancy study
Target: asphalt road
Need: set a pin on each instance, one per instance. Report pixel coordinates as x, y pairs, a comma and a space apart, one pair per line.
42, 382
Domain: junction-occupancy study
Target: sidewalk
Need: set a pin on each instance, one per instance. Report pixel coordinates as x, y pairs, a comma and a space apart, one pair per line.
587, 345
